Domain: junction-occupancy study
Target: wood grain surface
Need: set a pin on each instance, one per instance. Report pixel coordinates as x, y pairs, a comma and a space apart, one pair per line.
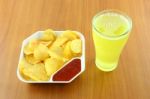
21, 18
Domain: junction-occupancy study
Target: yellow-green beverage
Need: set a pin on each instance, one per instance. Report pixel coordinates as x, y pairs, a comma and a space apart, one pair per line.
110, 34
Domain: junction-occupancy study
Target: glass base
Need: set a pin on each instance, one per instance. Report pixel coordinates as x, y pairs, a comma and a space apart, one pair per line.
104, 67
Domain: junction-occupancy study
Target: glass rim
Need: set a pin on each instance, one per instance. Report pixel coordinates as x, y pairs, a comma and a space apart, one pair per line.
117, 12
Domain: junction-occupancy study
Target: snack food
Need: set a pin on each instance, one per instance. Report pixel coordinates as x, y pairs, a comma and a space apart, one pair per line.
48, 53
76, 46
52, 65
41, 52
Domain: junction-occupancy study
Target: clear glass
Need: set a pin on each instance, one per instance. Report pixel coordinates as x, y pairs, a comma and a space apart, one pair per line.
110, 29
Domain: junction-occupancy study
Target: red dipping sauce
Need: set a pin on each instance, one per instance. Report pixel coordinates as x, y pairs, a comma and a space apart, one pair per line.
69, 71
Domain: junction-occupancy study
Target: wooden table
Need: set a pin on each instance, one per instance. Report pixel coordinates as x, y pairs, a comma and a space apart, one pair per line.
20, 18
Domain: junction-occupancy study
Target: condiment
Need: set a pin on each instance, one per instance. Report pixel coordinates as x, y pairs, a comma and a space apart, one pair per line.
68, 71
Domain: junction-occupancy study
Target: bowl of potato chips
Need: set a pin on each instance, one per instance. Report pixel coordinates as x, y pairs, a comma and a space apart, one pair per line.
52, 57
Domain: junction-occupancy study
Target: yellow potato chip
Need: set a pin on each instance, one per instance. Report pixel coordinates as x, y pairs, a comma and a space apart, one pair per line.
59, 41
31, 59
41, 52
46, 43
67, 50
57, 53
57, 49
29, 48
52, 65
70, 35
77, 54
76, 46
36, 72
48, 35
22, 65
25, 77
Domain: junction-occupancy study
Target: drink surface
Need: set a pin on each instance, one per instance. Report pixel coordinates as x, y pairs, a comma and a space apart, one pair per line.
111, 24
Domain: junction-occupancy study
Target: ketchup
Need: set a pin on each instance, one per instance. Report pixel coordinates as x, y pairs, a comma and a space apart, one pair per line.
69, 71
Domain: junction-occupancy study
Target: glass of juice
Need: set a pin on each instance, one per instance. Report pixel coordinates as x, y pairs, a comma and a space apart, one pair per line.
111, 29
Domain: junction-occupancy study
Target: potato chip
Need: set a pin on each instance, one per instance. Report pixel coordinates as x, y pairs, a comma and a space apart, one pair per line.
48, 35
29, 48
59, 41
70, 35
57, 49
67, 51
52, 65
31, 59
76, 46
46, 43
36, 72
25, 77
41, 52
57, 53
23, 64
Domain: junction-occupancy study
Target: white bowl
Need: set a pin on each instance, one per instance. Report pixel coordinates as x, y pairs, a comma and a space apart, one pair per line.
38, 34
